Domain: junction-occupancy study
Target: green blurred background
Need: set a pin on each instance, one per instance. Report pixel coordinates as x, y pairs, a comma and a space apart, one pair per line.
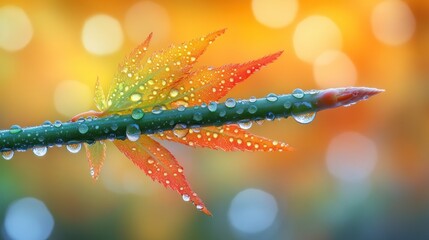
357, 173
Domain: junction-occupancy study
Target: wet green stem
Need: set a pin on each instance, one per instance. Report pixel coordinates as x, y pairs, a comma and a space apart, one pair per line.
115, 126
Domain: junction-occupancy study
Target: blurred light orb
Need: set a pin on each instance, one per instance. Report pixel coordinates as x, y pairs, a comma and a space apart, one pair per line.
275, 13
16, 30
28, 219
72, 97
252, 211
102, 35
351, 157
334, 68
145, 17
314, 35
393, 23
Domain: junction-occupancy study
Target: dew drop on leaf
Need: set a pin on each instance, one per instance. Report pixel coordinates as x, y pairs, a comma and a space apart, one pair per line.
174, 92
252, 109
135, 97
212, 107
230, 102
186, 197
298, 93
14, 129
83, 128
40, 151
92, 172
133, 132
272, 97
74, 148
245, 124
198, 116
199, 207
8, 155
304, 118
137, 114
180, 130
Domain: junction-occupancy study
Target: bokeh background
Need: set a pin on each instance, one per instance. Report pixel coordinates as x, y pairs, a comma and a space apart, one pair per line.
357, 173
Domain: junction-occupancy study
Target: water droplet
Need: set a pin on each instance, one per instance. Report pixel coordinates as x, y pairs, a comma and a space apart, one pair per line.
199, 207
14, 129
198, 116
305, 117
133, 132
157, 110
252, 109
212, 107
252, 99
174, 92
230, 102
298, 93
222, 113
270, 116
186, 197
240, 111
181, 108
92, 172
83, 128
135, 97
137, 114
180, 130
40, 151
245, 124
272, 97
114, 126
74, 148
58, 123
287, 105
8, 155
46, 123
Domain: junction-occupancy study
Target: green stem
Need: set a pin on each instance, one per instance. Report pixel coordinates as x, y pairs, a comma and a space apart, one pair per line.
115, 126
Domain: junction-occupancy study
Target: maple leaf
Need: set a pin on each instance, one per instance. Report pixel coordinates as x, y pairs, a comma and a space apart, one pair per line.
166, 80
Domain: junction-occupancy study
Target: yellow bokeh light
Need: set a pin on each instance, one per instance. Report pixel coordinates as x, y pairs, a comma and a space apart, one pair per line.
16, 30
275, 13
393, 22
333, 68
145, 17
102, 34
314, 35
72, 97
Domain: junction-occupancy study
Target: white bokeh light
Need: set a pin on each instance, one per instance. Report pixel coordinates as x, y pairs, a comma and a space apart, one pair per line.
315, 35
28, 219
334, 68
16, 30
275, 13
102, 35
145, 17
72, 97
351, 157
252, 211
393, 22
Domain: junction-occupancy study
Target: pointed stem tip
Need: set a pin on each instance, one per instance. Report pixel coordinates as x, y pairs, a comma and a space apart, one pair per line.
350, 95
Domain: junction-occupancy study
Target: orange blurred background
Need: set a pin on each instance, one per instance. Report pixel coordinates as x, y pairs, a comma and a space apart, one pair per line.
357, 173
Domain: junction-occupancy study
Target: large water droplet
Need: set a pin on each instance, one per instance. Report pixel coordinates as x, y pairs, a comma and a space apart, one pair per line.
135, 97
83, 128
198, 116
272, 97
8, 155
304, 118
245, 124
74, 148
186, 197
14, 129
270, 116
133, 132
298, 93
180, 130
230, 102
212, 107
252, 109
137, 114
40, 151
174, 92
